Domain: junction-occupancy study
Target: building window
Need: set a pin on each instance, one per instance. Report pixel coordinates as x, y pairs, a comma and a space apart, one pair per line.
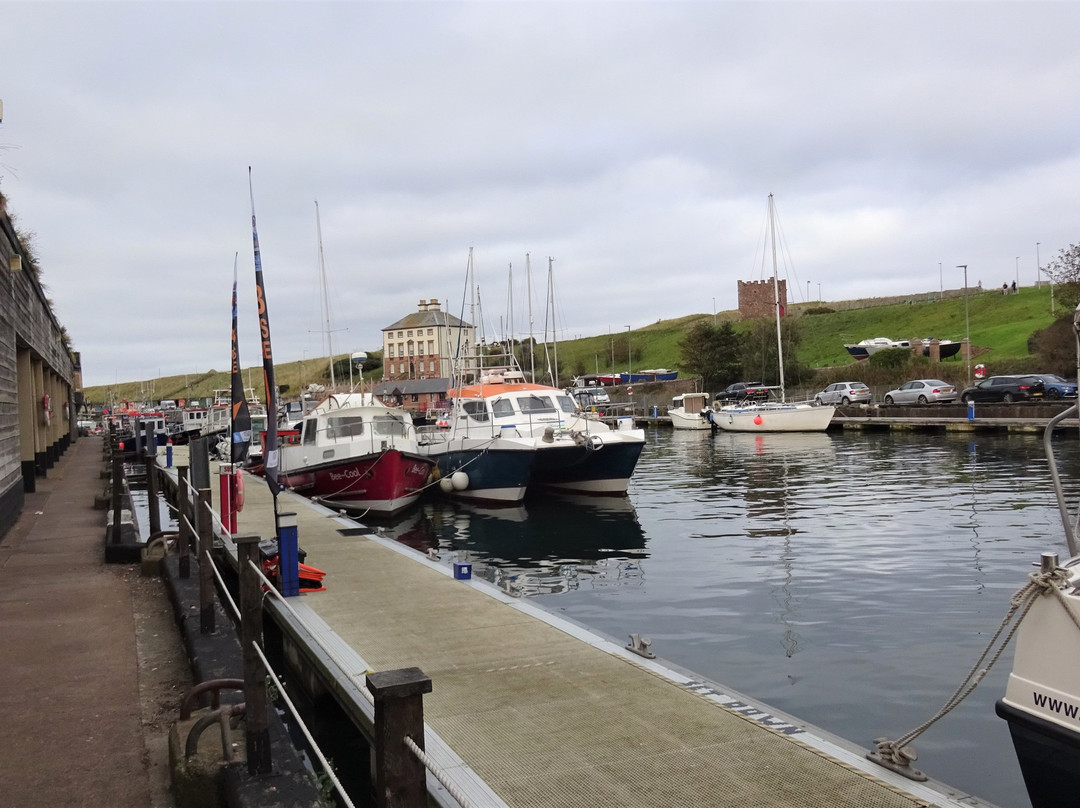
409, 334
399, 335
430, 331
391, 350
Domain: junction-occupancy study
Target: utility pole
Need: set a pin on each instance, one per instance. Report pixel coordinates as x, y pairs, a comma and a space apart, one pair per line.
967, 324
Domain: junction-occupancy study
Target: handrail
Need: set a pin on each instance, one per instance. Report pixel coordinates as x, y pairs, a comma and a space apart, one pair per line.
303, 727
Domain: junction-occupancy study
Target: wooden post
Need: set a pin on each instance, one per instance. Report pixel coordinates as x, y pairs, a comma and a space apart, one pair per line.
206, 573
184, 511
151, 494
258, 725
117, 496
400, 780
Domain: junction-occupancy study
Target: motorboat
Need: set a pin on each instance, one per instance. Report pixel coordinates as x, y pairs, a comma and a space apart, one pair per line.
574, 451
868, 347
690, 411
357, 456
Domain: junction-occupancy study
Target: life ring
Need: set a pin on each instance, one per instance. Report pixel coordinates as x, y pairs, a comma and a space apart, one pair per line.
46, 410
238, 490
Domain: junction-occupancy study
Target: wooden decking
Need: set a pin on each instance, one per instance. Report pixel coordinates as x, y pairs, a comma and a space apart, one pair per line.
546, 713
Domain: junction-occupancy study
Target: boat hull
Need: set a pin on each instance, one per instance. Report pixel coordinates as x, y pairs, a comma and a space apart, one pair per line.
688, 420
496, 470
782, 418
1042, 697
601, 464
383, 483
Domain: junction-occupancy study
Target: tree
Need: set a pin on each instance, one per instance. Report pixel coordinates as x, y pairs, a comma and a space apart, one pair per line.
1064, 271
712, 352
759, 355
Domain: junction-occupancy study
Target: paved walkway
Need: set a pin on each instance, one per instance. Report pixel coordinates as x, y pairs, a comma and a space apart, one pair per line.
71, 724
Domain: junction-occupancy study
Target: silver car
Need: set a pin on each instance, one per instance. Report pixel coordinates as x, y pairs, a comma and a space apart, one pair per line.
845, 393
922, 391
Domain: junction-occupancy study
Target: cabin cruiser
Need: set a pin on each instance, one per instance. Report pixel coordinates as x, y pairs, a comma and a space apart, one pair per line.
572, 450
359, 456
690, 411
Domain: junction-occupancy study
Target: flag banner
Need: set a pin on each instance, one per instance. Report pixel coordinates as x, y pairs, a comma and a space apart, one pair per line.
241, 414
271, 463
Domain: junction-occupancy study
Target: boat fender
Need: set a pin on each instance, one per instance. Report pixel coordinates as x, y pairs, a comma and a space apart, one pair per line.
238, 489
445, 485
595, 443
459, 480
46, 410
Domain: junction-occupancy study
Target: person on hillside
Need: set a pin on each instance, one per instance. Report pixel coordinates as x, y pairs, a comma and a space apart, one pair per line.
1014, 287
979, 287
1004, 288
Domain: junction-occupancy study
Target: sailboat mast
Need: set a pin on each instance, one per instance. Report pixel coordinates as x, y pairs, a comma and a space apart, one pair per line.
776, 295
554, 338
510, 318
532, 341
325, 296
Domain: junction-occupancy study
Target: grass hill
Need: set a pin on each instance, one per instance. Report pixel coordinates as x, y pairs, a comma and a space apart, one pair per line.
1000, 326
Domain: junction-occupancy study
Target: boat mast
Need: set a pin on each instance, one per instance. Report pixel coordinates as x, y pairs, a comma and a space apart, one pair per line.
776, 295
554, 338
532, 341
325, 297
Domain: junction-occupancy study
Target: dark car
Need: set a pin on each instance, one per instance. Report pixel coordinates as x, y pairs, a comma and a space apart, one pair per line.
1057, 387
743, 391
1005, 388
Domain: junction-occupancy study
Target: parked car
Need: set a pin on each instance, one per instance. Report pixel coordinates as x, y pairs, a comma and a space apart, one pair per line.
743, 391
922, 391
1005, 388
845, 393
1057, 387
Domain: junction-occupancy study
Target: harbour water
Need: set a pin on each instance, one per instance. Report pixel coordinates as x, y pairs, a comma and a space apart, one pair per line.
850, 580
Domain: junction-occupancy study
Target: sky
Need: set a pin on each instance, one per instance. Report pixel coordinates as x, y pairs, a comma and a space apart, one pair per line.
635, 143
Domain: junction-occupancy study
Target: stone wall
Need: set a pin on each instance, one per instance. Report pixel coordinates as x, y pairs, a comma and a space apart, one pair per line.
757, 298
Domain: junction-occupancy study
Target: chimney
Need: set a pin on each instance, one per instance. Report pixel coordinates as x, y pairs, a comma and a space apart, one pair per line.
433, 305
422, 306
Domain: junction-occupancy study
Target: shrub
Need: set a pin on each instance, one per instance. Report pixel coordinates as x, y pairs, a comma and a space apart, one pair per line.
890, 358
819, 310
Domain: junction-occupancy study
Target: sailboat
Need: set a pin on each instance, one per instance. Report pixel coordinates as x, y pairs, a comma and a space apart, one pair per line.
773, 416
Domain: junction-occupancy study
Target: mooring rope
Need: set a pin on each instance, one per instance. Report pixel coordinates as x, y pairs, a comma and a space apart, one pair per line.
1040, 583
439, 774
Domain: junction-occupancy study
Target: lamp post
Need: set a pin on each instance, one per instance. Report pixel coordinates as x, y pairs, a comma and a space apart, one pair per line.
629, 367
941, 280
967, 324
808, 291
714, 312
1018, 273
819, 292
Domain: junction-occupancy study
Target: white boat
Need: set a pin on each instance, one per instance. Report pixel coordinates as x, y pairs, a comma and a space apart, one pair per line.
773, 416
690, 411
1042, 697
868, 347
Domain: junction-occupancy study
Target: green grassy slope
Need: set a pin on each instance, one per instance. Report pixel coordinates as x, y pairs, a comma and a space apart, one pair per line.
1000, 326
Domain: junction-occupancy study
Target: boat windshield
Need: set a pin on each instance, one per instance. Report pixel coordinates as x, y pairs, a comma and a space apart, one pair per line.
476, 410
536, 405
389, 425
566, 404
344, 426
502, 408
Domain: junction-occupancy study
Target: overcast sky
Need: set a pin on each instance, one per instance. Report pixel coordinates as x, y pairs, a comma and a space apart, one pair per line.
635, 143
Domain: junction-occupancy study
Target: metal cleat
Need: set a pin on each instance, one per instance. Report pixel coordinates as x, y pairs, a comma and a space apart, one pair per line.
640, 646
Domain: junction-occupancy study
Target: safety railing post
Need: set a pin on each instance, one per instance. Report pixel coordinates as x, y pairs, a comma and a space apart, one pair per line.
206, 573
184, 511
288, 555
258, 726
400, 779
117, 496
151, 494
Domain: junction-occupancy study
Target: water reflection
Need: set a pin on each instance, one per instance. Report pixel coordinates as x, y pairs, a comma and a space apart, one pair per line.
545, 546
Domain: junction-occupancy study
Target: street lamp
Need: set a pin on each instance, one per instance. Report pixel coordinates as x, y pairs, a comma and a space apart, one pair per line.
819, 292
808, 291
967, 324
1018, 273
629, 367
